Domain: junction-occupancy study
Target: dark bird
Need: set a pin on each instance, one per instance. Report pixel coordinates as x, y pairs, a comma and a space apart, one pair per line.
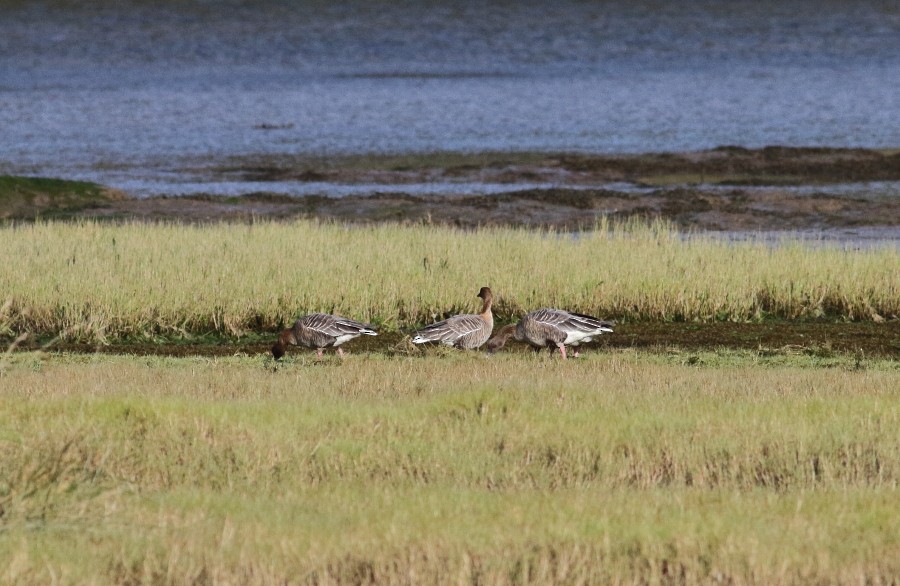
551, 328
320, 331
468, 331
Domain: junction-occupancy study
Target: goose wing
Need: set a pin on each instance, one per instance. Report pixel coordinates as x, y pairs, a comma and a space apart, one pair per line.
322, 330
581, 322
454, 331
571, 322
556, 325
351, 326
334, 325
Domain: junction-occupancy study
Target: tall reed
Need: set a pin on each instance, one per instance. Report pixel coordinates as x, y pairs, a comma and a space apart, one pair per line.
93, 281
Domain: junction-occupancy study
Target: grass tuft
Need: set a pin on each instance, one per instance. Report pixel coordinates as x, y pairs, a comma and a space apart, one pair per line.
37, 197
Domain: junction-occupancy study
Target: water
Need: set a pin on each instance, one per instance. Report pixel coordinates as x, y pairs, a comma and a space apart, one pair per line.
145, 97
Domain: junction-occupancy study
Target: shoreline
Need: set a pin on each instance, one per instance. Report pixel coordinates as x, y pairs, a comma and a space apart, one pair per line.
726, 189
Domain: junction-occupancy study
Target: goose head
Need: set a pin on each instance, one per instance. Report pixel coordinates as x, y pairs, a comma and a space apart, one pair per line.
485, 293
280, 345
500, 339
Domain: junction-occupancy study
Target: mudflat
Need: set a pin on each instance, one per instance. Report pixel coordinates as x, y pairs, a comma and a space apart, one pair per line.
723, 189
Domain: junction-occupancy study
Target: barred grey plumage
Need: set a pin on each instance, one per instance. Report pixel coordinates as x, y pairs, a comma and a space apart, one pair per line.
320, 331
551, 328
468, 331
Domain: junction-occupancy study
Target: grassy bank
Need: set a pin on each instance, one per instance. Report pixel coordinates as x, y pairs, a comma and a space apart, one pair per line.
94, 281
31, 197
621, 468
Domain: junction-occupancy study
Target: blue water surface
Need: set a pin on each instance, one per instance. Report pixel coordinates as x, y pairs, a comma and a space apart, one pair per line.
148, 95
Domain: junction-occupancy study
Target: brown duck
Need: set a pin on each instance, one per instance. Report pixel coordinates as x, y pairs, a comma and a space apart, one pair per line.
320, 331
551, 328
468, 331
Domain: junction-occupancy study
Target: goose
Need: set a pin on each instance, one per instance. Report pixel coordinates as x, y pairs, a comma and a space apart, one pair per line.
551, 328
320, 331
468, 331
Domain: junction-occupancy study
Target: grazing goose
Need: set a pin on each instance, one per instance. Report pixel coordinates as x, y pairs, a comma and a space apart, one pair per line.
320, 331
551, 328
467, 331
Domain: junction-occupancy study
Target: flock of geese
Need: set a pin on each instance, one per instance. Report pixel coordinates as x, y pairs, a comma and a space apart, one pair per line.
542, 328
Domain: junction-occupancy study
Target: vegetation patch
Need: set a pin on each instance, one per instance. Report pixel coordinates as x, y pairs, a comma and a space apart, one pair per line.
95, 282
33, 197
618, 468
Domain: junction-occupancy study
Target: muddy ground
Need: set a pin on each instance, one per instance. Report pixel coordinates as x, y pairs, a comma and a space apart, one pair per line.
723, 165
560, 208
811, 338
724, 189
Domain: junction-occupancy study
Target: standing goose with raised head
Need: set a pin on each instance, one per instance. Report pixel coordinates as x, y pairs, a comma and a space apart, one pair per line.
551, 328
320, 331
468, 331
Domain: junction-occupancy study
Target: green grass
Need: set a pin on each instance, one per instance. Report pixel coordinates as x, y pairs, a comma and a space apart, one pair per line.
616, 468
31, 197
95, 282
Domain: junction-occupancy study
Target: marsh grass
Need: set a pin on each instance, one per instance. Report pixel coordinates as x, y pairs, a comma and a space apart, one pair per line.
30, 197
619, 468
94, 282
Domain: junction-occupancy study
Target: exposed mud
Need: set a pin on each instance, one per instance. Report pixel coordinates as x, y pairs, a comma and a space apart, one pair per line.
821, 339
725, 189
728, 165
687, 207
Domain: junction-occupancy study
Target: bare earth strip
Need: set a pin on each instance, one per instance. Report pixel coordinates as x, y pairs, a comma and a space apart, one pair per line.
823, 339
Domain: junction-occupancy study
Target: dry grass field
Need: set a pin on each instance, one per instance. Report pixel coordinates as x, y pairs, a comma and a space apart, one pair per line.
94, 282
620, 468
